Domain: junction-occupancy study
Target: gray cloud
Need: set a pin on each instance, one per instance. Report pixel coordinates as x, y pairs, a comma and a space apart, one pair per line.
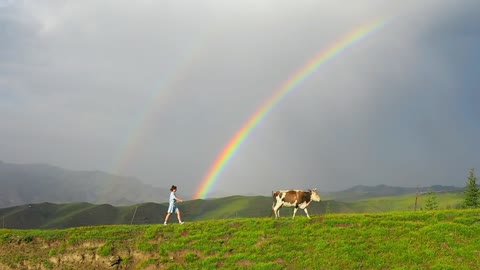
156, 89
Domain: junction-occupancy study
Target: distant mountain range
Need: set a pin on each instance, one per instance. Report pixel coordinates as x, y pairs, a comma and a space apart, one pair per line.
36, 183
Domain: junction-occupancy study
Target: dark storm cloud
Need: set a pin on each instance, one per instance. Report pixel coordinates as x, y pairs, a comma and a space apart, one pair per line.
156, 89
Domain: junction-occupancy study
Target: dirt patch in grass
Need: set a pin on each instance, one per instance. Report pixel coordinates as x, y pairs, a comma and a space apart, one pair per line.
245, 263
220, 264
185, 255
91, 244
260, 241
317, 220
235, 224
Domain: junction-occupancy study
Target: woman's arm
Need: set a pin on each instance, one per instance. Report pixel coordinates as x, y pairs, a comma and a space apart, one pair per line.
177, 198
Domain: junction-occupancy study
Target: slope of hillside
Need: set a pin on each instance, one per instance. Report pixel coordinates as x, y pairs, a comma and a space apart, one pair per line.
445, 200
446, 239
362, 192
36, 183
48, 215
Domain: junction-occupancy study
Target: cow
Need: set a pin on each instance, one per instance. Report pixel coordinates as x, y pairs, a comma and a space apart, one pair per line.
293, 198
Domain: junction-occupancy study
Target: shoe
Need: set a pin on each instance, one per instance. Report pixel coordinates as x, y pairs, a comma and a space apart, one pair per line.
181, 222
165, 224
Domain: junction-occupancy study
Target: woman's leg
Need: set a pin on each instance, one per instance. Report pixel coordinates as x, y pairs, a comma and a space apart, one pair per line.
178, 216
166, 218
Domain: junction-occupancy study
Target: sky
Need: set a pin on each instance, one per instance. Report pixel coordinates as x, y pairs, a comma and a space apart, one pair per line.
157, 89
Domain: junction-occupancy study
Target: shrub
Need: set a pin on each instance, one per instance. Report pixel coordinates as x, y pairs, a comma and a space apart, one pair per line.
431, 203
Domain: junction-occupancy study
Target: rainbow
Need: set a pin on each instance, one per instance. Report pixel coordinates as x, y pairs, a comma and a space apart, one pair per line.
159, 97
288, 86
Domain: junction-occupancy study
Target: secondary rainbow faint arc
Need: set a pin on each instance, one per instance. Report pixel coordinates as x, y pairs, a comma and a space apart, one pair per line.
288, 86
158, 97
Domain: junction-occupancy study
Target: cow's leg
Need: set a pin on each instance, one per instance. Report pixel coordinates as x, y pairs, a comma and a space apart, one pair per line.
273, 209
294, 212
276, 210
306, 212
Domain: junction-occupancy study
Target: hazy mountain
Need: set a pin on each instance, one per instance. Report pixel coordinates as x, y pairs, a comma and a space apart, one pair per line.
22, 184
36, 183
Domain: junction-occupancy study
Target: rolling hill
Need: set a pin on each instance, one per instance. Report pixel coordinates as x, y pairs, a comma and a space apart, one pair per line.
49, 215
361, 192
44, 196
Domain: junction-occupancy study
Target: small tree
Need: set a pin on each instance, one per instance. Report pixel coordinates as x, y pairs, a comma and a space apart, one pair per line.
472, 193
327, 208
431, 203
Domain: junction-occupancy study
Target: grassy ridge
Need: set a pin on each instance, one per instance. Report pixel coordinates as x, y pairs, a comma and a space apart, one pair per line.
406, 202
48, 215
446, 239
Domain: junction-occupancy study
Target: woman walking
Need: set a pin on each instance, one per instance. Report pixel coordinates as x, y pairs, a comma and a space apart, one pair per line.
172, 205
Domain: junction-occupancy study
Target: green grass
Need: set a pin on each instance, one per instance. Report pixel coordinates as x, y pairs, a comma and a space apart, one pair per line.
406, 202
444, 239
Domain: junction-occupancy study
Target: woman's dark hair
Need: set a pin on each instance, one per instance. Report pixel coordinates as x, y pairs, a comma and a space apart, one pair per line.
173, 188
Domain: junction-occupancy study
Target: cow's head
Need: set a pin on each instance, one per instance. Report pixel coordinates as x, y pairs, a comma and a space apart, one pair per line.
315, 196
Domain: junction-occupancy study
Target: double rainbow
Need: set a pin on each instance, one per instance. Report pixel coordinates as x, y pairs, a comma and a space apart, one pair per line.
288, 86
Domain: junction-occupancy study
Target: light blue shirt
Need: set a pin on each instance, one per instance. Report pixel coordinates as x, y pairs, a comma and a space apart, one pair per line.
173, 198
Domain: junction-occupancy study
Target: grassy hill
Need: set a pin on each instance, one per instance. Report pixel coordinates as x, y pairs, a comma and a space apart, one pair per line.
362, 192
446, 239
406, 202
48, 215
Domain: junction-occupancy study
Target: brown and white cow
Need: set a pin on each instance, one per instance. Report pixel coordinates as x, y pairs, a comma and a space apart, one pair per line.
293, 198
